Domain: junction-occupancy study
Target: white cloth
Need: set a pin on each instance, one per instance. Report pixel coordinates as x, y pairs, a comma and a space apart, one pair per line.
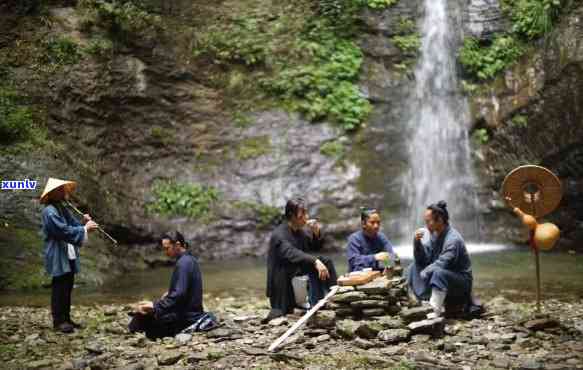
71, 248
437, 303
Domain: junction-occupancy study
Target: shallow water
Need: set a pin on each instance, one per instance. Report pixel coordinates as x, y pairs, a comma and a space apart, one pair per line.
497, 270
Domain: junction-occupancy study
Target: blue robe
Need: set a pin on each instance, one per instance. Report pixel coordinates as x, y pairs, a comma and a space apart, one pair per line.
183, 303
60, 228
443, 264
361, 250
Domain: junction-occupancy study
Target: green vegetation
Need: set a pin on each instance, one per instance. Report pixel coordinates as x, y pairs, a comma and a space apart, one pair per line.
122, 20
266, 215
480, 136
405, 26
484, 62
408, 43
326, 87
253, 147
16, 119
161, 135
99, 47
295, 56
333, 149
61, 51
21, 273
241, 119
532, 18
520, 120
174, 199
377, 4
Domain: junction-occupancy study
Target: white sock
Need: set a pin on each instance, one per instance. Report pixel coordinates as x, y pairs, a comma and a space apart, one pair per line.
436, 301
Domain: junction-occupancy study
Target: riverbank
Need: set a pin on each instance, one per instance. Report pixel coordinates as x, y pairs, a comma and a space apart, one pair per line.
509, 335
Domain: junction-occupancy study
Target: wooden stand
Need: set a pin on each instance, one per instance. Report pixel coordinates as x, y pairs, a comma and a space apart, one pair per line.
536, 258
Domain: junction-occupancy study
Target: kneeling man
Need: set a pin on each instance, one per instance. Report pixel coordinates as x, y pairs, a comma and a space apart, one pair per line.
442, 269
181, 306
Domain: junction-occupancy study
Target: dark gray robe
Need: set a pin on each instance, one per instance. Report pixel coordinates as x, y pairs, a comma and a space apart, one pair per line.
443, 264
288, 257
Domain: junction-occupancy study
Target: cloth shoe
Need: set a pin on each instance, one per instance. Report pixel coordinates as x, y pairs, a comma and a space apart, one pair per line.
65, 328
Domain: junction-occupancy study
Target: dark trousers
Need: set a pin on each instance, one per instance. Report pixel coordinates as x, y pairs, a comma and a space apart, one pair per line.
62, 287
318, 288
155, 328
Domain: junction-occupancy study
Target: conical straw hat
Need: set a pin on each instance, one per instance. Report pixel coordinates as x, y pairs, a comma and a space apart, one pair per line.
54, 184
544, 186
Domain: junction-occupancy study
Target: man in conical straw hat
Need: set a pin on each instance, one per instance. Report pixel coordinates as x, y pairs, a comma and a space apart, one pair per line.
63, 235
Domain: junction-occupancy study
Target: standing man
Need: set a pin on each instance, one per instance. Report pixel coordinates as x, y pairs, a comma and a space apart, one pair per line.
442, 269
369, 247
63, 235
181, 306
288, 257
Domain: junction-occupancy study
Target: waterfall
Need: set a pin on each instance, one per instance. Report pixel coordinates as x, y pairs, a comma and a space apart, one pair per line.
439, 152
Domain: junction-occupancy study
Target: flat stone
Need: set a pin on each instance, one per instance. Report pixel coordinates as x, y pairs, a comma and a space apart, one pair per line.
501, 362
194, 357
433, 327
40, 364
394, 310
368, 330
373, 312
315, 332
95, 347
508, 338
347, 328
348, 297
394, 335
377, 286
363, 343
369, 304
423, 356
541, 324
278, 321
530, 364
344, 311
183, 339
388, 322
322, 338
415, 313
323, 319
220, 333
244, 318
345, 289
169, 358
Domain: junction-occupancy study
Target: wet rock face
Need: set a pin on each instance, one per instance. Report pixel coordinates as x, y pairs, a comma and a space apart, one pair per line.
483, 19
534, 116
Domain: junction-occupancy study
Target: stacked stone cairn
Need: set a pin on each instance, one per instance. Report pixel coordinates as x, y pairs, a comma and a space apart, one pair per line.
380, 297
379, 311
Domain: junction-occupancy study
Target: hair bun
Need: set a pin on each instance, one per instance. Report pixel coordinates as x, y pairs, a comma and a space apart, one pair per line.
442, 204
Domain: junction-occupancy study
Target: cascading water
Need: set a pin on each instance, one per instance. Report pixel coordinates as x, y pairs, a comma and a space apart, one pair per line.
439, 152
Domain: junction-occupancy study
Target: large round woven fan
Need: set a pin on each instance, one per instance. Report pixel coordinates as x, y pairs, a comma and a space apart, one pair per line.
533, 189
